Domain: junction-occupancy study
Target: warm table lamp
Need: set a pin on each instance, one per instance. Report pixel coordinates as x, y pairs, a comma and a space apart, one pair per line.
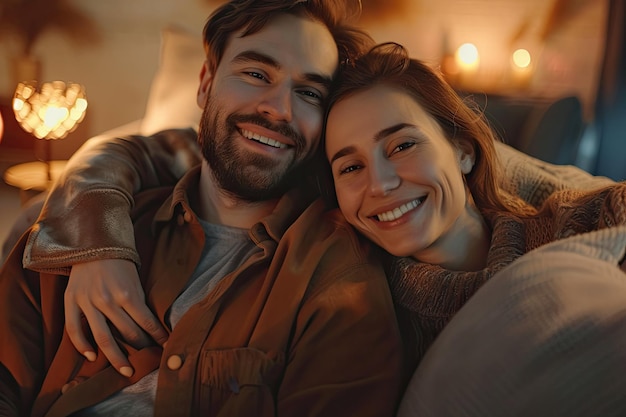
50, 112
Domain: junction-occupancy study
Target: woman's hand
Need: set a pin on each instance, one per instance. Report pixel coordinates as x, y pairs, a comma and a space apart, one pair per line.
109, 292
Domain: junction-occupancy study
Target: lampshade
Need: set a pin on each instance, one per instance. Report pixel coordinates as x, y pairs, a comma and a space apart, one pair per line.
52, 111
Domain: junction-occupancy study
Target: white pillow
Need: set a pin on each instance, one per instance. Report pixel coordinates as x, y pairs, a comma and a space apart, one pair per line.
172, 98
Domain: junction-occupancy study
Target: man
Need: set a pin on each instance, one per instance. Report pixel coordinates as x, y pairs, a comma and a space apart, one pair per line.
268, 303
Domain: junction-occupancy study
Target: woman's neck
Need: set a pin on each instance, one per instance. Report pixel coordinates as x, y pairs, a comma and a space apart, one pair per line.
465, 247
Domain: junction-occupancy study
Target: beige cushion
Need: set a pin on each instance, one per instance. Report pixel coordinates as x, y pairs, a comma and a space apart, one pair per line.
545, 337
172, 97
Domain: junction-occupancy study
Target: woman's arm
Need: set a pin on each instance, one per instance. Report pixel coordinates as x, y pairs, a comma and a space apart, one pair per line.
535, 180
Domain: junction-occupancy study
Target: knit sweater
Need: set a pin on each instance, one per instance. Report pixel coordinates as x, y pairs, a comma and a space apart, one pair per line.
428, 296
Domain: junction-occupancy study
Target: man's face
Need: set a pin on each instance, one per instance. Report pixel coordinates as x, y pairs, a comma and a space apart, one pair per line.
263, 113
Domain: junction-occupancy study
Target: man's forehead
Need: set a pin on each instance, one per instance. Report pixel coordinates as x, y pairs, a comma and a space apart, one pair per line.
290, 41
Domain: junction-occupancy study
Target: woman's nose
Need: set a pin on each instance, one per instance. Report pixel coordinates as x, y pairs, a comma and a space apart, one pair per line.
383, 178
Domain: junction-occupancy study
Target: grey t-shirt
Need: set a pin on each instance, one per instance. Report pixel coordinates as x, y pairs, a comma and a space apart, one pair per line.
224, 250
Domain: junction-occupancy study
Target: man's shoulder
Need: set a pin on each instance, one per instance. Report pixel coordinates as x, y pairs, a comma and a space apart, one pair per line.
331, 242
321, 223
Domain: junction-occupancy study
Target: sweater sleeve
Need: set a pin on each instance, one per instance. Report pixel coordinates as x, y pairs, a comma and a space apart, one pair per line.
573, 212
614, 213
87, 213
535, 180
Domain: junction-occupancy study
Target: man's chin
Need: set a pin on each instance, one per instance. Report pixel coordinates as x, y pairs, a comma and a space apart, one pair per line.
259, 192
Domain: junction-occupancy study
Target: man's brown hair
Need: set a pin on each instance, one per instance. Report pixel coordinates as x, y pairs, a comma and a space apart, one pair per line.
250, 16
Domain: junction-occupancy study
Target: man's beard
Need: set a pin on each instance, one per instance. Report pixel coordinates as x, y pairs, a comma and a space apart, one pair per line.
248, 177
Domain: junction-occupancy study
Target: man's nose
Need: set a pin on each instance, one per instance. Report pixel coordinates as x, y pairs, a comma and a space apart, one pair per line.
276, 104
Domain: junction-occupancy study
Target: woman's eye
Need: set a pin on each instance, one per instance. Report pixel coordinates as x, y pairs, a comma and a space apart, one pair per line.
403, 146
349, 169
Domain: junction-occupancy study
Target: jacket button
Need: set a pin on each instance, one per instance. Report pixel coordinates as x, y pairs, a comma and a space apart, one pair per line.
174, 362
187, 217
180, 220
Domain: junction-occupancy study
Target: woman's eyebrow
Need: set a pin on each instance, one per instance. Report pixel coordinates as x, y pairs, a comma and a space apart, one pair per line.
377, 138
342, 152
391, 130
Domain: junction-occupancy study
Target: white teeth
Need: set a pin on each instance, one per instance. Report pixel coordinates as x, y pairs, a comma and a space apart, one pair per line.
263, 139
396, 213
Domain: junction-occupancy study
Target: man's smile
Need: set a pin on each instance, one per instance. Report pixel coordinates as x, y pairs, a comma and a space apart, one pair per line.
263, 139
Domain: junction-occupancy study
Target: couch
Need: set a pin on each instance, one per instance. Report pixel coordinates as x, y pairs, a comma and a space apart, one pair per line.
545, 128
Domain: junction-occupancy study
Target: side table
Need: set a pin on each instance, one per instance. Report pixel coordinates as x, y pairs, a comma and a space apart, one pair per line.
32, 177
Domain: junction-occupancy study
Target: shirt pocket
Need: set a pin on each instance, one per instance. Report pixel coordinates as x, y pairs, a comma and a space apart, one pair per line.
239, 382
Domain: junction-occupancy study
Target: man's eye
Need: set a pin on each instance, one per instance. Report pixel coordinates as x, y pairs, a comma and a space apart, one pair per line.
256, 75
311, 94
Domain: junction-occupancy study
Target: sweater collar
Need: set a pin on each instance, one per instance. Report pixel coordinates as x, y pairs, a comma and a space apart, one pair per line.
431, 290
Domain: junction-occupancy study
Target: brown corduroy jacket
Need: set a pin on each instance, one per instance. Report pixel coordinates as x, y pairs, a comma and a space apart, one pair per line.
304, 328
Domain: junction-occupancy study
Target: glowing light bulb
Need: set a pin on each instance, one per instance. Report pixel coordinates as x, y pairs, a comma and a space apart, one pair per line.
54, 116
521, 58
467, 57
18, 104
521, 68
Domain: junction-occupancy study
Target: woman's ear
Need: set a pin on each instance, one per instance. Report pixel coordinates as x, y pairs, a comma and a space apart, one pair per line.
206, 77
467, 155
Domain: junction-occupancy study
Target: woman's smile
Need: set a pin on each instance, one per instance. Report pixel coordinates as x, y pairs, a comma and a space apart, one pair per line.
396, 213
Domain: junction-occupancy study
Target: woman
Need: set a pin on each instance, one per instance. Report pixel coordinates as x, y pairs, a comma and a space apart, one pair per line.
415, 171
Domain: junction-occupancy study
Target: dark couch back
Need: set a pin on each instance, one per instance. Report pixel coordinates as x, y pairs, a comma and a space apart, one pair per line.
548, 129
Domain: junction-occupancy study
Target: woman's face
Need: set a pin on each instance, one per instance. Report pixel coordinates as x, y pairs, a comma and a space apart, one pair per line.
399, 181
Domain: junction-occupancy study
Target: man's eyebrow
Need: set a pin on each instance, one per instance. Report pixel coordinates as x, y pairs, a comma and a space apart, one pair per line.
254, 56
377, 138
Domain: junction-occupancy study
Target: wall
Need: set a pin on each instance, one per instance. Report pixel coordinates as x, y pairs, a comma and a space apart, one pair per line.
117, 72
566, 62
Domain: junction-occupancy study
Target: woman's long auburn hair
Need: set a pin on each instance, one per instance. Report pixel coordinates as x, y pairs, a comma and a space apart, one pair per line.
389, 64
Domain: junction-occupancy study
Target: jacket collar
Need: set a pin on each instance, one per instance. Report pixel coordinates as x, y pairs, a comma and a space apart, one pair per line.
287, 210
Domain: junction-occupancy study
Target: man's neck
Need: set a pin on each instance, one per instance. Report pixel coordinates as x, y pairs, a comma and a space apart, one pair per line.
219, 207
